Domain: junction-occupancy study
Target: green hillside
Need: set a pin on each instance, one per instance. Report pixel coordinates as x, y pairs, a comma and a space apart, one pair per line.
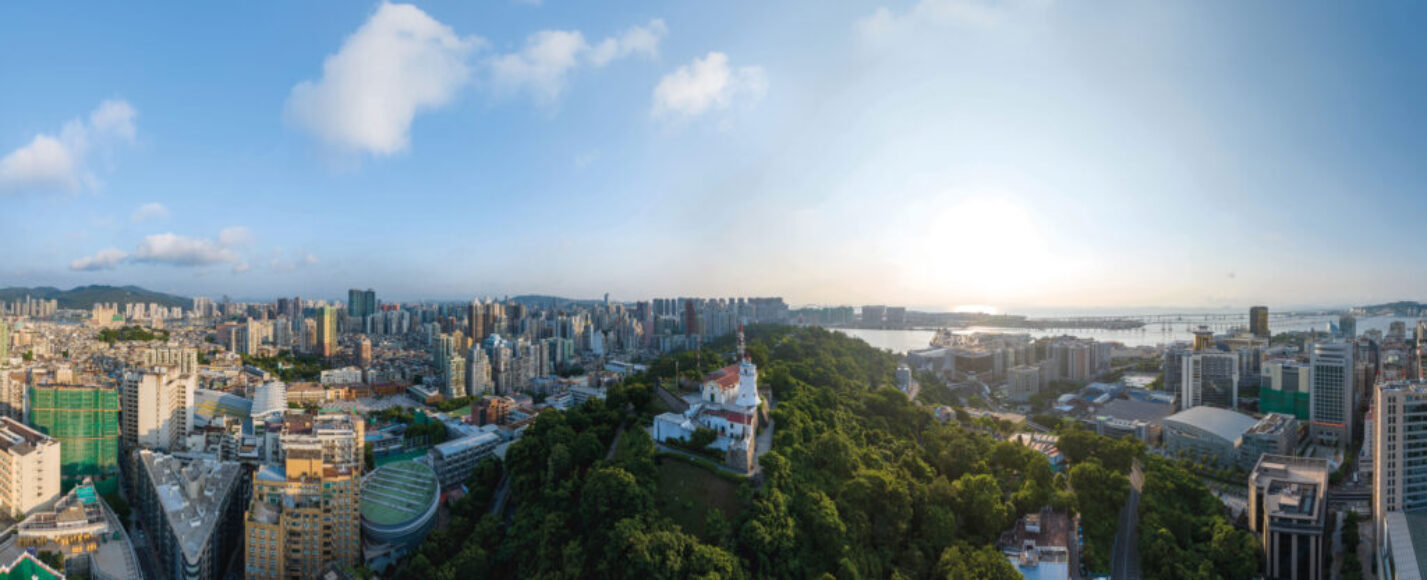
84, 297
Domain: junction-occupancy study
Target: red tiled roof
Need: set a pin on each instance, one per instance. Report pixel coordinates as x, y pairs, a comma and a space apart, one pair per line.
726, 377
731, 416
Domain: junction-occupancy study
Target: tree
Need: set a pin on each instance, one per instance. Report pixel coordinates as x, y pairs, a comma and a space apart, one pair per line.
962, 562
978, 502
1099, 493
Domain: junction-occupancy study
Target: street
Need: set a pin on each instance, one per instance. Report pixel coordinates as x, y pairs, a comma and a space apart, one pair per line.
1125, 562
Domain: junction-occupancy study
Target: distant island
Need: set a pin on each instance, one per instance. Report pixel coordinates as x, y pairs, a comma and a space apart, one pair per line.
85, 297
1408, 308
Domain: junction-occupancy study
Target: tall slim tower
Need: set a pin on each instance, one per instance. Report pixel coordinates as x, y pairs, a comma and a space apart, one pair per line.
327, 331
1258, 321
1333, 396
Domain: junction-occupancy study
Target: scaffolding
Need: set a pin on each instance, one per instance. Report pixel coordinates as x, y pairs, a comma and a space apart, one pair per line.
85, 420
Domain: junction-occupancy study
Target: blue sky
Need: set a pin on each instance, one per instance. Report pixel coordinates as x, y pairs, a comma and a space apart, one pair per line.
933, 153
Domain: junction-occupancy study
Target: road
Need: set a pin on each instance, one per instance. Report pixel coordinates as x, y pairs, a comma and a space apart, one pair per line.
1126, 558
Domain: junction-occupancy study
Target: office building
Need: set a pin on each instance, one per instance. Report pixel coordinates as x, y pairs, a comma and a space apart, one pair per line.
1333, 396
361, 304
1203, 339
192, 513
1174, 368
1210, 378
1258, 321
873, 316
1288, 507
454, 460
85, 420
1399, 454
29, 468
326, 344
158, 409
305, 512
1348, 326
1274, 434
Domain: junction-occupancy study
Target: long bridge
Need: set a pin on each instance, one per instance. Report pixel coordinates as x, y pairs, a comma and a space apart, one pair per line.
1215, 321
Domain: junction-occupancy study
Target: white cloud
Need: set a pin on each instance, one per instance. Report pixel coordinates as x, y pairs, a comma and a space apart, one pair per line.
399, 63
235, 236
59, 163
707, 83
176, 250
642, 40
106, 259
309, 259
541, 67
150, 211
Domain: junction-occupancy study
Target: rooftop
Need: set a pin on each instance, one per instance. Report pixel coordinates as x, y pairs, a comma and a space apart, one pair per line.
192, 494
1133, 410
399, 492
1226, 424
1407, 538
1294, 487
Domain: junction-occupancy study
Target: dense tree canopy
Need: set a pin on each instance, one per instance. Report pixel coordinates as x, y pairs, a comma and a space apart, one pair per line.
861, 483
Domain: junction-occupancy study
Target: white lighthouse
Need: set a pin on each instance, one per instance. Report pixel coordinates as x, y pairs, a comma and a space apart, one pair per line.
747, 400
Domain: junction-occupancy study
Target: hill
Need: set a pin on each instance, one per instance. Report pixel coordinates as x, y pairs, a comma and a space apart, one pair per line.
1400, 308
85, 297
555, 302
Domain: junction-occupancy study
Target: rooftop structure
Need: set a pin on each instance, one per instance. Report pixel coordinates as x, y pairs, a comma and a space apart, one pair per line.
83, 529
1288, 510
190, 509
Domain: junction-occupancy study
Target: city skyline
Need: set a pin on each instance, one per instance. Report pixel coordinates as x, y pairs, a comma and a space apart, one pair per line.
907, 153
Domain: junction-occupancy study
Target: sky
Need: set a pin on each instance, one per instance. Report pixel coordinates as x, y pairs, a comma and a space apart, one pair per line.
932, 153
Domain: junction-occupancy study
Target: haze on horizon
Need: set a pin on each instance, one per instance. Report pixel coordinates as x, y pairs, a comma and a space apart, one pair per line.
1028, 153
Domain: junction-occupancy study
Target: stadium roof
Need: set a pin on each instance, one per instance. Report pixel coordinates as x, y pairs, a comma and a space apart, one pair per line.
398, 492
1226, 424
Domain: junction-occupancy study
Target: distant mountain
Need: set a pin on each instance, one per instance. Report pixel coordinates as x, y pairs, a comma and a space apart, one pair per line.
1399, 308
85, 297
555, 302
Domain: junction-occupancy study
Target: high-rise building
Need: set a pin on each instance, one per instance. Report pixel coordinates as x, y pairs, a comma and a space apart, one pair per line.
1203, 339
1288, 507
1286, 389
184, 358
327, 331
1399, 453
12, 395
364, 353
305, 513
361, 303
873, 316
1174, 368
158, 409
192, 511
1258, 321
29, 470
1333, 394
1210, 378
4, 344
1348, 326
85, 420
476, 319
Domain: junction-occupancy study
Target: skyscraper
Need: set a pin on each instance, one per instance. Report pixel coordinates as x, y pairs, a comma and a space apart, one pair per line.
360, 304
158, 409
1399, 455
1210, 378
476, 319
327, 331
1258, 321
1348, 326
1332, 393
4, 343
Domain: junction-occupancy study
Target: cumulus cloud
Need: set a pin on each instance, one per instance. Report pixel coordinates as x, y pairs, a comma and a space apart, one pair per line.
642, 40
706, 84
177, 250
399, 63
106, 259
542, 65
150, 211
61, 162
